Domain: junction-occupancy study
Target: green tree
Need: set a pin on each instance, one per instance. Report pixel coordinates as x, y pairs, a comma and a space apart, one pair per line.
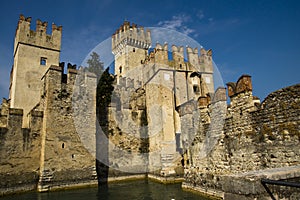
95, 65
103, 98
104, 92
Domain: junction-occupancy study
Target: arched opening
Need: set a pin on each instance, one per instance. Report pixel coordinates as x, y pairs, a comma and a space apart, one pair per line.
196, 89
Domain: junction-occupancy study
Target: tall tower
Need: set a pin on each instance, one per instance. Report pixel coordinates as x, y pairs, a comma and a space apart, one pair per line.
203, 68
206, 68
34, 52
130, 46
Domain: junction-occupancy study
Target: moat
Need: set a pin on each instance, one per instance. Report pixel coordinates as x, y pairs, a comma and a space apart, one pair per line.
141, 189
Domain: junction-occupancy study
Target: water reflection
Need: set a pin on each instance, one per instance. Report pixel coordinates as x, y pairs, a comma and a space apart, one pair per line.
139, 190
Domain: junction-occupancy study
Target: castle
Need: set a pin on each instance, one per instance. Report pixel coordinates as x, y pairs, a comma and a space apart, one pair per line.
165, 121
152, 92
50, 116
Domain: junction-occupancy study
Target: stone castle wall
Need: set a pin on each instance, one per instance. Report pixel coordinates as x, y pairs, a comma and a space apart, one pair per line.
169, 80
19, 150
68, 149
201, 64
58, 148
127, 131
252, 137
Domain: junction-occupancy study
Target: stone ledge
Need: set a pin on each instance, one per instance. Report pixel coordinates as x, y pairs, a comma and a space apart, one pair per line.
126, 178
16, 111
165, 180
17, 189
56, 68
273, 173
249, 183
213, 194
92, 183
35, 113
72, 71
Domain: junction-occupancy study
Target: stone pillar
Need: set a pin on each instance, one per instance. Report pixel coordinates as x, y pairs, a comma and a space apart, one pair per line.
161, 119
67, 154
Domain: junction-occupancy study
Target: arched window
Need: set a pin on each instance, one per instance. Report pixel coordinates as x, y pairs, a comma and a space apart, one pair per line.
196, 89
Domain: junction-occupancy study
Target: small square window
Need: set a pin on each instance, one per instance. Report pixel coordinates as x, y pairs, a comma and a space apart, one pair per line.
207, 79
43, 61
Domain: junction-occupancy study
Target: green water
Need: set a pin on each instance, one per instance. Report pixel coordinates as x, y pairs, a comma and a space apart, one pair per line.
142, 189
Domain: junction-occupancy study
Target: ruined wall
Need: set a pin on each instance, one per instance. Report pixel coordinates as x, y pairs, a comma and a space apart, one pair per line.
252, 137
277, 123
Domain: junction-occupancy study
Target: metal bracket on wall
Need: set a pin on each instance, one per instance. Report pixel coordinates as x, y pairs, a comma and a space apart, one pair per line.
264, 182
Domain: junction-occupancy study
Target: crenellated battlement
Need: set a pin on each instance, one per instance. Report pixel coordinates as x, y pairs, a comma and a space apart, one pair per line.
200, 62
13, 117
34, 52
243, 84
219, 95
178, 56
64, 84
159, 55
130, 35
38, 37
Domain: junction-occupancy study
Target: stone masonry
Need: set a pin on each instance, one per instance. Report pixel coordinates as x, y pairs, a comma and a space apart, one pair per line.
252, 139
167, 84
34, 52
67, 148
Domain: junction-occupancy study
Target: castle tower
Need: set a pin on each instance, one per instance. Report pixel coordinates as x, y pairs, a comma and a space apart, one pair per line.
193, 57
161, 54
178, 57
130, 46
34, 52
206, 69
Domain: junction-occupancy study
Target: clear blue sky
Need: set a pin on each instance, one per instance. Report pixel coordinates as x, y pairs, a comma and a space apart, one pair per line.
259, 38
